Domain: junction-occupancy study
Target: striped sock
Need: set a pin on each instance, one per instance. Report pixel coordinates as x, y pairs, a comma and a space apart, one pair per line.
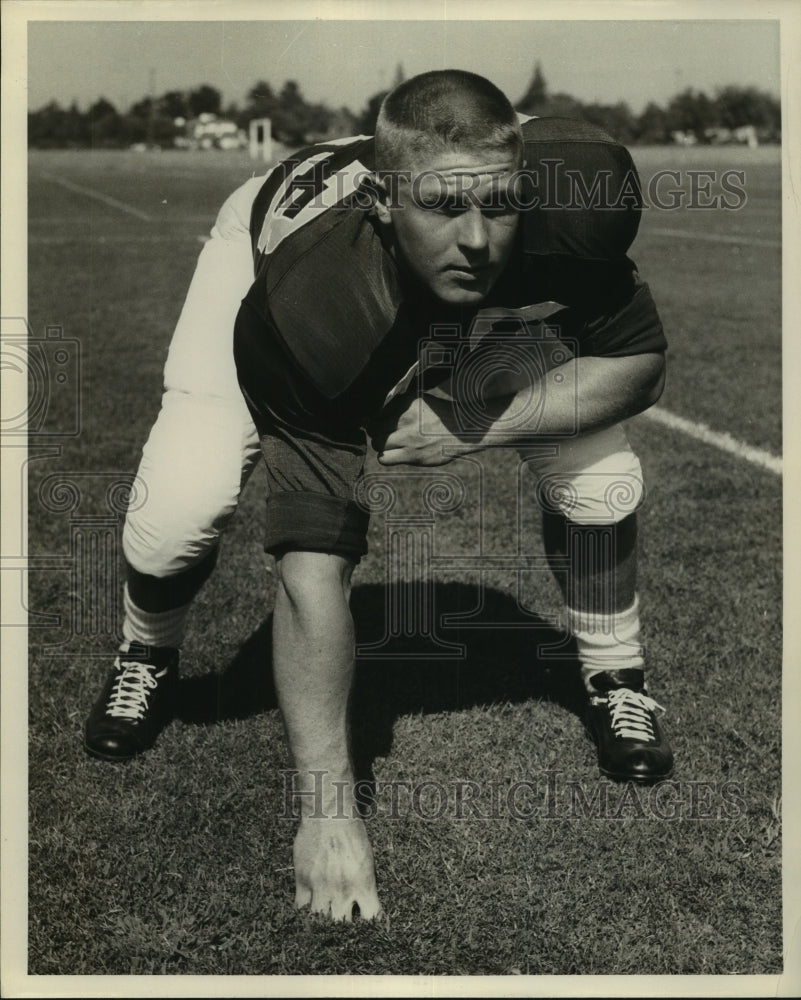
607, 642
162, 628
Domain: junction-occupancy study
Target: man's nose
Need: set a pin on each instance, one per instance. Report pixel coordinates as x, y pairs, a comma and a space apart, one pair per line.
473, 233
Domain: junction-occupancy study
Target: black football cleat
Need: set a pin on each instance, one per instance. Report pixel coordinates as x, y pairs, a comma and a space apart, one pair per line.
622, 719
136, 703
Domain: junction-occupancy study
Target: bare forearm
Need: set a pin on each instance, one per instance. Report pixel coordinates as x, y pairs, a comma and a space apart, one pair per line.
582, 395
313, 662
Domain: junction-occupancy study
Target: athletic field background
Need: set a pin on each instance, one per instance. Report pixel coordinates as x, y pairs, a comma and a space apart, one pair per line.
499, 850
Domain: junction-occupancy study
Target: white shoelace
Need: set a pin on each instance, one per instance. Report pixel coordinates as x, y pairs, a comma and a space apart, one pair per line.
129, 696
631, 714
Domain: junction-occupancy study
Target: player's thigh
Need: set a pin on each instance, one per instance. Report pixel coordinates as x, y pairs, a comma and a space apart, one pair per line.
198, 455
311, 484
200, 357
589, 478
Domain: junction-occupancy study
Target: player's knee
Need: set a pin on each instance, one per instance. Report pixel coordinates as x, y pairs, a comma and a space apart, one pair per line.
606, 493
594, 478
306, 578
163, 546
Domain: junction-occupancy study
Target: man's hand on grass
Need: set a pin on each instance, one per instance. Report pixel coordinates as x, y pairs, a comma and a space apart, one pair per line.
334, 868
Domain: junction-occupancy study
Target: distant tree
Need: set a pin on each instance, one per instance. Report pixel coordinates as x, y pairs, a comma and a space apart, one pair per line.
538, 101
295, 121
41, 125
260, 102
616, 119
204, 100
148, 121
749, 106
173, 104
652, 126
52, 126
133, 129
692, 111
105, 124
290, 118
561, 106
535, 98
261, 96
73, 130
232, 111
318, 118
342, 123
141, 108
290, 96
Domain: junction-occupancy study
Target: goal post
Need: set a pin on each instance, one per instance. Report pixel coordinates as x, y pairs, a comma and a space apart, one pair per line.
261, 144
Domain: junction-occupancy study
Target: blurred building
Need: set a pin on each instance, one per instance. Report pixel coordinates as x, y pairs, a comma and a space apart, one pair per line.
207, 131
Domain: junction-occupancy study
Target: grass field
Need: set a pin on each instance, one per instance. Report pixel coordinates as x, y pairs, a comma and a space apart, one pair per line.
179, 862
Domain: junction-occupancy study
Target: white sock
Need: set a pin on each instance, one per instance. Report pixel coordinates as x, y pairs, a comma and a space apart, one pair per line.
162, 628
607, 642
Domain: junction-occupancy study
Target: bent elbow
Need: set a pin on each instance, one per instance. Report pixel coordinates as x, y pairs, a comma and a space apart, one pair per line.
658, 386
654, 385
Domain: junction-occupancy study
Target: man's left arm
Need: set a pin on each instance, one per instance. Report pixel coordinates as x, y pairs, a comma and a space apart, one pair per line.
617, 370
582, 395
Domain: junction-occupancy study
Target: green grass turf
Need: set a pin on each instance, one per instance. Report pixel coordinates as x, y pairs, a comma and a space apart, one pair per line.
720, 302
179, 862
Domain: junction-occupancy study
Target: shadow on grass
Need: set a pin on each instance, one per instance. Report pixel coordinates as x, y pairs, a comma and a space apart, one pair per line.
440, 648
243, 689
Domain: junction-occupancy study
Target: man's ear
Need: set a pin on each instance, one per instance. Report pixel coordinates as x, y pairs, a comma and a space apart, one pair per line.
382, 200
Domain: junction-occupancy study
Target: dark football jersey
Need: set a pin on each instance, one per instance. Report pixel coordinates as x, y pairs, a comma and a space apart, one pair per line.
329, 326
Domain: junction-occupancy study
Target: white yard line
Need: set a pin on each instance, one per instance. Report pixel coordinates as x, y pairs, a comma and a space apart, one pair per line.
687, 234
725, 442
97, 195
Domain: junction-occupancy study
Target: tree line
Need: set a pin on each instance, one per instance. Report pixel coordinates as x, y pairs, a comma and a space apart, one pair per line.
158, 121
691, 113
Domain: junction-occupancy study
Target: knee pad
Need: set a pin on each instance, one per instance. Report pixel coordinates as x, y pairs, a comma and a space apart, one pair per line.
592, 479
160, 546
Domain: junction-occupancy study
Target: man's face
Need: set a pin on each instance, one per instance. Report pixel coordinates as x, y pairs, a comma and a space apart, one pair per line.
452, 223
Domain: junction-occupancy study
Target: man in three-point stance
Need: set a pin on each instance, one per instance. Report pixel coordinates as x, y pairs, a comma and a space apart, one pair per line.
332, 270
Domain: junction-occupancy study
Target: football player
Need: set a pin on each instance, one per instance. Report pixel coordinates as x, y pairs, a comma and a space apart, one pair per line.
455, 215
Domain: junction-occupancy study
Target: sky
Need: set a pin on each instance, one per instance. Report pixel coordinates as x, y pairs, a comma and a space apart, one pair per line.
345, 62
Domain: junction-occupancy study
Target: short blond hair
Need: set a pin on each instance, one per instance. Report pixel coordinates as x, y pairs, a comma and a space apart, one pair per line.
443, 109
